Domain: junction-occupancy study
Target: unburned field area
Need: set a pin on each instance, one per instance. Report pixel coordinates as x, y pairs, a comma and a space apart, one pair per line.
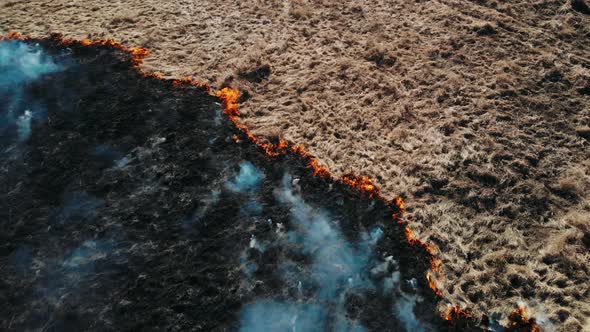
476, 112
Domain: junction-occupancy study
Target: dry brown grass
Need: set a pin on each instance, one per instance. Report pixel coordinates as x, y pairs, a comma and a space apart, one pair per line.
477, 112
301, 11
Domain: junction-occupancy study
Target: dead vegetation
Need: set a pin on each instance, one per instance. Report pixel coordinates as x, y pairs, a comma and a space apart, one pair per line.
301, 11
254, 68
122, 20
475, 111
379, 55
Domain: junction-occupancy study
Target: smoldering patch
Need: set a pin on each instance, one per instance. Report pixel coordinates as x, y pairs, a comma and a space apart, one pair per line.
82, 259
21, 259
61, 277
78, 206
205, 206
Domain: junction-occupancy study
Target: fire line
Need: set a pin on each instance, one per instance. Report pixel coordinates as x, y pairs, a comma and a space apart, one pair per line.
518, 319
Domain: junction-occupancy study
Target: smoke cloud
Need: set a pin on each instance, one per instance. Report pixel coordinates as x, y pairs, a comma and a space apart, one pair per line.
336, 262
20, 63
268, 315
82, 260
337, 269
63, 277
404, 311
24, 125
248, 179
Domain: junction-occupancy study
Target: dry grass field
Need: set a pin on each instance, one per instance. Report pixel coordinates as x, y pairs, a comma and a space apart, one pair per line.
476, 112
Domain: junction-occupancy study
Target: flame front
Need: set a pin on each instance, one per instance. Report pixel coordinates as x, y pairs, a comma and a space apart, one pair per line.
363, 184
432, 284
454, 313
229, 98
137, 54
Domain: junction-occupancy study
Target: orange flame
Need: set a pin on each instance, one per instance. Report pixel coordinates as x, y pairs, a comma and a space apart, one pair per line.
432, 284
401, 207
138, 54
362, 183
453, 313
415, 241
410, 237
14, 36
520, 321
229, 98
189, 81
399, 202
318, 169
435, 264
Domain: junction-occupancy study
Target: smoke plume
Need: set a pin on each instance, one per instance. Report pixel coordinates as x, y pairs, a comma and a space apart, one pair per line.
248, 179
404, 311
20, 64
338, 268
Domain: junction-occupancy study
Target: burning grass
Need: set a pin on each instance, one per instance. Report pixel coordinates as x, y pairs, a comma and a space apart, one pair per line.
360, 184
127, 183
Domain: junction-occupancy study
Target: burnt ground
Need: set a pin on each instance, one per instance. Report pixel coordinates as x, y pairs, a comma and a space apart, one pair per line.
118, 212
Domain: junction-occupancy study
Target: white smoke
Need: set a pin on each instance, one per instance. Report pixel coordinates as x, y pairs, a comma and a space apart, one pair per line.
202, 211
404, 311
82, 259
335, 261
20, 63
268, 315
248, 267
24, 125
248, 179
537, 310
338, 267
65, 277
254, 244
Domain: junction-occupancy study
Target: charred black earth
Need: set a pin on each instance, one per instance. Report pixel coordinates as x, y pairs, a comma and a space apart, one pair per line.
127, 205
